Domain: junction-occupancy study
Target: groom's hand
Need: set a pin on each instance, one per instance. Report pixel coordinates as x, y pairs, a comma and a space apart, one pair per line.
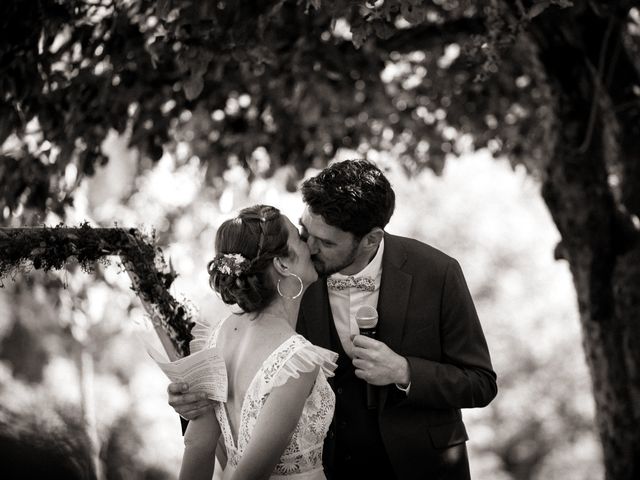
377, 364
188, 405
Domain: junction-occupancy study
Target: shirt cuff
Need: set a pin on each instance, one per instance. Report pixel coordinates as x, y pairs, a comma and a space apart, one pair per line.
404, 389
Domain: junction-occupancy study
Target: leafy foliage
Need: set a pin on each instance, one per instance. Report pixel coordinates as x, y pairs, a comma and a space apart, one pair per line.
297, 79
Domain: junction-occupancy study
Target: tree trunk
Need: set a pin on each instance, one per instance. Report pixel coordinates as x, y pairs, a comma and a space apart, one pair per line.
599, 239
87, 403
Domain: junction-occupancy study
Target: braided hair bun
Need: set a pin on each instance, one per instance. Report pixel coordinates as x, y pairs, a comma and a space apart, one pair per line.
245, 248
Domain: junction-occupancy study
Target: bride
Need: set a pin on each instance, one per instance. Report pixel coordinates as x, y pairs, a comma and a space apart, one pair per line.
279, 403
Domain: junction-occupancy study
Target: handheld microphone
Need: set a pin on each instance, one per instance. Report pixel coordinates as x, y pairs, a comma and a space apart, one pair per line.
367, 320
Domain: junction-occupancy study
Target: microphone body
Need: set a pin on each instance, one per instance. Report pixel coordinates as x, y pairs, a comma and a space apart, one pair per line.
367, 320
369, 332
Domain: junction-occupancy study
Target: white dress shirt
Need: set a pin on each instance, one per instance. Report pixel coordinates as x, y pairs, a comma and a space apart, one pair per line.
345, 303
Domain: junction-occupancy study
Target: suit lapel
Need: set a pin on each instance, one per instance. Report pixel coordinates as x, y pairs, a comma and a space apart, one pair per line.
393, 301
316, 312
394, 294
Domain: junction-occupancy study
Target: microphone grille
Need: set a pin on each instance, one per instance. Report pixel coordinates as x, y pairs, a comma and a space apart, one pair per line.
367, 317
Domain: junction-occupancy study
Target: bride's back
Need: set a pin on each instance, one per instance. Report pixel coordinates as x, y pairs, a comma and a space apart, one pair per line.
246, 342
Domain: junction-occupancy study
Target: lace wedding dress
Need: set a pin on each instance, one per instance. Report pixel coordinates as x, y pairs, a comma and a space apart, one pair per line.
302, 457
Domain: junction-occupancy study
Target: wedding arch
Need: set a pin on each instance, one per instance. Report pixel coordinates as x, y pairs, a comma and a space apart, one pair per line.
51, 248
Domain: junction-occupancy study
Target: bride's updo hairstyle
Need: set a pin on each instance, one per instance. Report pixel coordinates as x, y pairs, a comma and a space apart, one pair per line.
245, 248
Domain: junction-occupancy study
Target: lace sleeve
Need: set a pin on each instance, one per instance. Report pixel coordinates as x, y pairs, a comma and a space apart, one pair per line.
305, 359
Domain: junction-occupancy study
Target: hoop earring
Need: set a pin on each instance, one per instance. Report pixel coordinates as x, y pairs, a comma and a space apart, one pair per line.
297, 294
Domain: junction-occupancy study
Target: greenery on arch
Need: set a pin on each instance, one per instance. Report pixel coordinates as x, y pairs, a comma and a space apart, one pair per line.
52, 248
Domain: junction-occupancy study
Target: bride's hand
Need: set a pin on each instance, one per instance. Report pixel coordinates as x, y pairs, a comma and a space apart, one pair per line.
188, 405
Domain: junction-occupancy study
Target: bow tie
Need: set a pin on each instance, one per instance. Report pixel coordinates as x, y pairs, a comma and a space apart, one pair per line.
363, 283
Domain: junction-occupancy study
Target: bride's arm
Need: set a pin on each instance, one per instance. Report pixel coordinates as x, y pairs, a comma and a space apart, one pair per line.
200, 442
276, 422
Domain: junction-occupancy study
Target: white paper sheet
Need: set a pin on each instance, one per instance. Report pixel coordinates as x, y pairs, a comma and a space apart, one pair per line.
203, 371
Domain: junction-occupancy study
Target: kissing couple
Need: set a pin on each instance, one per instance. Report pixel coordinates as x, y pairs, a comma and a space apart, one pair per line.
308, 396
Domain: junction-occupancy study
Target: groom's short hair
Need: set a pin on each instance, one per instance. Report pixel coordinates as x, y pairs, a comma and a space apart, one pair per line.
353, 195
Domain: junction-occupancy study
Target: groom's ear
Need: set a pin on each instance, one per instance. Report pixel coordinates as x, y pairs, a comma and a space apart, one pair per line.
373, 238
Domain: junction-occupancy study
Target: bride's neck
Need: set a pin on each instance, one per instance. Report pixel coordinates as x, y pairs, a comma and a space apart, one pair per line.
285, 309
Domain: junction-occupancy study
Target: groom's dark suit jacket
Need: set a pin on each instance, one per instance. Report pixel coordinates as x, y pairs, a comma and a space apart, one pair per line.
426, 314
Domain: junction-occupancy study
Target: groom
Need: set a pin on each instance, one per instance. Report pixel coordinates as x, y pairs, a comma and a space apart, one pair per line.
429, 358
